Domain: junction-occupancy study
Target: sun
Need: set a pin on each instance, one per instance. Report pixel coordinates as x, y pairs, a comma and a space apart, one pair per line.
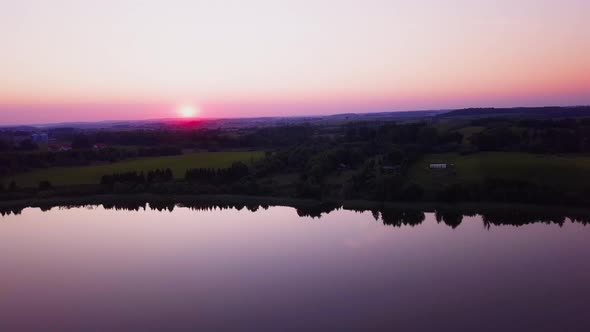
188, 111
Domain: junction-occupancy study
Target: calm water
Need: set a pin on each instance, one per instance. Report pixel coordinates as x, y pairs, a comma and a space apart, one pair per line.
91, 269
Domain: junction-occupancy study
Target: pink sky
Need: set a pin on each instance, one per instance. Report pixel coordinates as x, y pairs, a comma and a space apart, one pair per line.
67, 60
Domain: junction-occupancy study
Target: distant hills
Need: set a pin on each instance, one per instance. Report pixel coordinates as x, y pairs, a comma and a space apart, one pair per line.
548, 112
537, 112
233, 122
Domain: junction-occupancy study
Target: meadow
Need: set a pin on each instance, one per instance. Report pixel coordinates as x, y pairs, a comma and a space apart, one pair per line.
63, 176
563, 172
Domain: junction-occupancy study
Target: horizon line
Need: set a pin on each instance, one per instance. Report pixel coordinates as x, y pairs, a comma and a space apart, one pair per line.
197, 118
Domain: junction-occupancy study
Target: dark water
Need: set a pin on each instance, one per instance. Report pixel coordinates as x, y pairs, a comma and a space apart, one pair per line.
91, 269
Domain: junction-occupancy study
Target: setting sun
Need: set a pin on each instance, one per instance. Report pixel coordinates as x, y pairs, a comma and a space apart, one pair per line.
188, 111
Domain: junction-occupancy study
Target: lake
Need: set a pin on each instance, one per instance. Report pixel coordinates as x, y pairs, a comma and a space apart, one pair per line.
274, 269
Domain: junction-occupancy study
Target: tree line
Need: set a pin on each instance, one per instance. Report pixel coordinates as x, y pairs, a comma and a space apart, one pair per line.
134, 177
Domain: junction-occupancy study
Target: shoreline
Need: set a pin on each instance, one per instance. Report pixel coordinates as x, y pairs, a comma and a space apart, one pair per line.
245, 200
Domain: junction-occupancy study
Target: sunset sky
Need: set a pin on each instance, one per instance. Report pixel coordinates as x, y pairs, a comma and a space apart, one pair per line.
82, 60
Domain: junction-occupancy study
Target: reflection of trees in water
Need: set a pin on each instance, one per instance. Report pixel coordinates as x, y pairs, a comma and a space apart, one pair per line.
6, 211
203, 206
375, 214
579, 218
315, 211
127, 206
452, 218
162, 206
520, 218
395, 217
399, 217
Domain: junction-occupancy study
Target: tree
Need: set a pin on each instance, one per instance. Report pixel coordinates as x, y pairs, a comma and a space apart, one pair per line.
4, 146
45, 185
27, 145
81, 142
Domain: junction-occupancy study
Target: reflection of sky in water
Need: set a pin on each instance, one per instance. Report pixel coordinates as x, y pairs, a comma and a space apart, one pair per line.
111, 270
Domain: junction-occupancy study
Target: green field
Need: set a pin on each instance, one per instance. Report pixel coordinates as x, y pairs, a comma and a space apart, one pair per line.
60, 176
562, 172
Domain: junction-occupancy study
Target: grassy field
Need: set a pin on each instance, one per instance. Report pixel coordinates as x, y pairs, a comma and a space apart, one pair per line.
559, 171
60, 176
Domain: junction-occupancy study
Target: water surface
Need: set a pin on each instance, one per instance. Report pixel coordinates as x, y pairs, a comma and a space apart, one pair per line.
93, 269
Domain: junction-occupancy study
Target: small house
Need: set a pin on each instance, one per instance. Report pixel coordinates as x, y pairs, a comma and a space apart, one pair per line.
438, 166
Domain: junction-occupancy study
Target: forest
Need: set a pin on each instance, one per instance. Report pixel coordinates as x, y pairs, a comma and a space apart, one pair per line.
353, 160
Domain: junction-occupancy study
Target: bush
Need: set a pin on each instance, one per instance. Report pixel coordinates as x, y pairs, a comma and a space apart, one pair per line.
122, 188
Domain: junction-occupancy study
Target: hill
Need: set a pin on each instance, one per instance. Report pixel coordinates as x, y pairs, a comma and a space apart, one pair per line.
535, 112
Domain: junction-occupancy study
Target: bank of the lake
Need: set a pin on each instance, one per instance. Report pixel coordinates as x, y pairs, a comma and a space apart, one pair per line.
305, 206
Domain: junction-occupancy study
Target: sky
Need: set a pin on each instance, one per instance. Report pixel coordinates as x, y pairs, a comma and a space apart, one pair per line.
83, 60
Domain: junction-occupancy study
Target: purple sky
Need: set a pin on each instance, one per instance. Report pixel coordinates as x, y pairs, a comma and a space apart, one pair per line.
67, 60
